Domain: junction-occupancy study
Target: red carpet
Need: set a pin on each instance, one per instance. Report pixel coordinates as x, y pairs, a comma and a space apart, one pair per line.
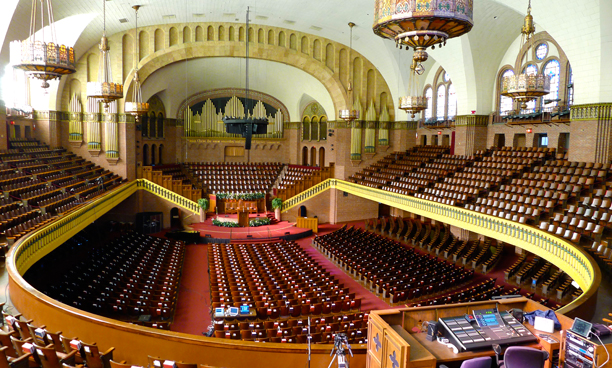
240, 233
192, 313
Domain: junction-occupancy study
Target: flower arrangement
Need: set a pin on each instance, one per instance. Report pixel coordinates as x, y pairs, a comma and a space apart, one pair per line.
259, 222
242, 196
216, 222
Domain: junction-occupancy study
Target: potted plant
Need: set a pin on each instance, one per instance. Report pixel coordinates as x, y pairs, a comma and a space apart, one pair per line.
203, 203
277, 203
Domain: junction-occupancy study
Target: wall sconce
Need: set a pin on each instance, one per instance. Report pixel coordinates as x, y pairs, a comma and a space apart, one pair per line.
439, 132
529, 130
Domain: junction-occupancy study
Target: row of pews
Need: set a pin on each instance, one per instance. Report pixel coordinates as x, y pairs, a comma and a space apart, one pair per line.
281, 282
131, 277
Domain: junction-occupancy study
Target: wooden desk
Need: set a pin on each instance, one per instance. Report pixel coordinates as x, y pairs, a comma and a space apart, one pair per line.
243, 219
391, 342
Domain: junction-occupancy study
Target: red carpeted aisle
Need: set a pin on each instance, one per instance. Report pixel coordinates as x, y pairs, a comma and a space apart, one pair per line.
192, 314
193, 306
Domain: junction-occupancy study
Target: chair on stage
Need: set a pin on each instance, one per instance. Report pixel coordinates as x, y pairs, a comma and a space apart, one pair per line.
483, 362
522, 357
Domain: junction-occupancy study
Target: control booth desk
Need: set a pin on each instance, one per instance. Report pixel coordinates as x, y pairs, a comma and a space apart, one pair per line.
396, 339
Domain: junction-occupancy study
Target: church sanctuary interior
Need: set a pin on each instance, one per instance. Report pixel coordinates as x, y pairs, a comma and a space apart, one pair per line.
262, 184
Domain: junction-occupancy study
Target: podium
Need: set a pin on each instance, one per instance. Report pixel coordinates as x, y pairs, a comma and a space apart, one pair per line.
243, 218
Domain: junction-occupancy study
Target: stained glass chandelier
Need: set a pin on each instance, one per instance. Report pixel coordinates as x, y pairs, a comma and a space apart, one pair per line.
526, 86
136, 107
350, 114
104, 90
42, 59
418, 25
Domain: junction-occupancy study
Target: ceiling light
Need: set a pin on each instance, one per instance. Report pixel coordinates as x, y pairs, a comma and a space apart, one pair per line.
136, 107
43, 59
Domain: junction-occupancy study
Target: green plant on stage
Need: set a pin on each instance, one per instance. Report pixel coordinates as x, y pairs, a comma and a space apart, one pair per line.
203, 203
277, 203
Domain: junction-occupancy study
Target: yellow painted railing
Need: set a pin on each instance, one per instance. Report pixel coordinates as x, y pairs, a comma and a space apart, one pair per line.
563, 254
41, 242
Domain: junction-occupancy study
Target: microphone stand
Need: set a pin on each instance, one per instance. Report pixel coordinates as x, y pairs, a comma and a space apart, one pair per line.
309, 337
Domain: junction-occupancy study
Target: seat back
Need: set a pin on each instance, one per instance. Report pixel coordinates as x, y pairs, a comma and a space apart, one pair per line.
48, 357
524, 357
483, 362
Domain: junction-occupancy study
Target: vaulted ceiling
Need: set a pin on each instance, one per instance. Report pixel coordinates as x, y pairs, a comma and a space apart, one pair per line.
580, 27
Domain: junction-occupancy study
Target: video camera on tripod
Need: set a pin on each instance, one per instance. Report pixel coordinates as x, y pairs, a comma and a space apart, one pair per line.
341, 344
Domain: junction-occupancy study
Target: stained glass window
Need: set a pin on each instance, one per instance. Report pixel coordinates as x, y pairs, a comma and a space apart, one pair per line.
541, 51
441, 102
505, 103
553, 70
446, 77
452, 102
429, 97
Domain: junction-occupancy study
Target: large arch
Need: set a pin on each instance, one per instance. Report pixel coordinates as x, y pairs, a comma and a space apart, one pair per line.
163, 58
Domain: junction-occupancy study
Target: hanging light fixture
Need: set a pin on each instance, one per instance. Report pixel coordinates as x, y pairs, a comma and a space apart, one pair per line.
136, 107
528, 85
414, 102
42, 59
350, 114
104, 90
422, 24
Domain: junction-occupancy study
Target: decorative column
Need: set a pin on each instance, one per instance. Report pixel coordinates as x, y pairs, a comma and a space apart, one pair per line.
111, 134
75, 121
590, 133
383, 130
356, 127
92, 120
470, 134
370, 131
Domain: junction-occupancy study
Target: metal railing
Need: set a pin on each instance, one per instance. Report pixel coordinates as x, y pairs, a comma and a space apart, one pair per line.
563, 254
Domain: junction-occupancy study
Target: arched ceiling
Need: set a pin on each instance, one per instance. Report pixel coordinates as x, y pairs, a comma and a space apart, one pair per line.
196, 75
578, 26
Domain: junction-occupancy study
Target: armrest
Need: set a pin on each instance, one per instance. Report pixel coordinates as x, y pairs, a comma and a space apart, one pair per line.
20, 362
68, 358
29, 321
109, 351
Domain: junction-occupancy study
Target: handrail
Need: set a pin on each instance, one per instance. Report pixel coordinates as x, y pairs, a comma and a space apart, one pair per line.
563, 254
44, 240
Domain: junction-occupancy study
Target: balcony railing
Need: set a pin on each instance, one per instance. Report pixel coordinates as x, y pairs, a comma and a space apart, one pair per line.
563, 254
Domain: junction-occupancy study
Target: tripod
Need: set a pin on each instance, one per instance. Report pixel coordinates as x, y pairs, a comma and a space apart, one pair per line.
340, 346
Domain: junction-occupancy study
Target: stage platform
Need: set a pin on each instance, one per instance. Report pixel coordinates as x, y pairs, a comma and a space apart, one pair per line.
210, 233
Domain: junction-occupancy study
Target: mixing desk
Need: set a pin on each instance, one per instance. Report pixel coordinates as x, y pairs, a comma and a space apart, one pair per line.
483, 328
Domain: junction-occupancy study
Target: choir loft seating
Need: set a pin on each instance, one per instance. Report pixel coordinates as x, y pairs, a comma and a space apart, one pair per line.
222, 177
286, 287
129, 276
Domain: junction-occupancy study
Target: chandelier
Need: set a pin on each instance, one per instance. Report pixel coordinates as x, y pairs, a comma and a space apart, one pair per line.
42, 59
136, 108
423, 23
350, 114
415, 102
104, 89
526, 86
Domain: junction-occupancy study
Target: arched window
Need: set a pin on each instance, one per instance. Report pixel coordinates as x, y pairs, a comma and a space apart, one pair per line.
314, 129
429, 97
160, 125
452, 102
323, 128
440, 104
531, 105
306, 129
505, 103
553, 70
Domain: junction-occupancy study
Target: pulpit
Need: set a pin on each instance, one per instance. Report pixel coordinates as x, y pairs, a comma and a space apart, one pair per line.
243, 218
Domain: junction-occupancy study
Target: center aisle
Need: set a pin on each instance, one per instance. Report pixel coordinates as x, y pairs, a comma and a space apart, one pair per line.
192, 314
